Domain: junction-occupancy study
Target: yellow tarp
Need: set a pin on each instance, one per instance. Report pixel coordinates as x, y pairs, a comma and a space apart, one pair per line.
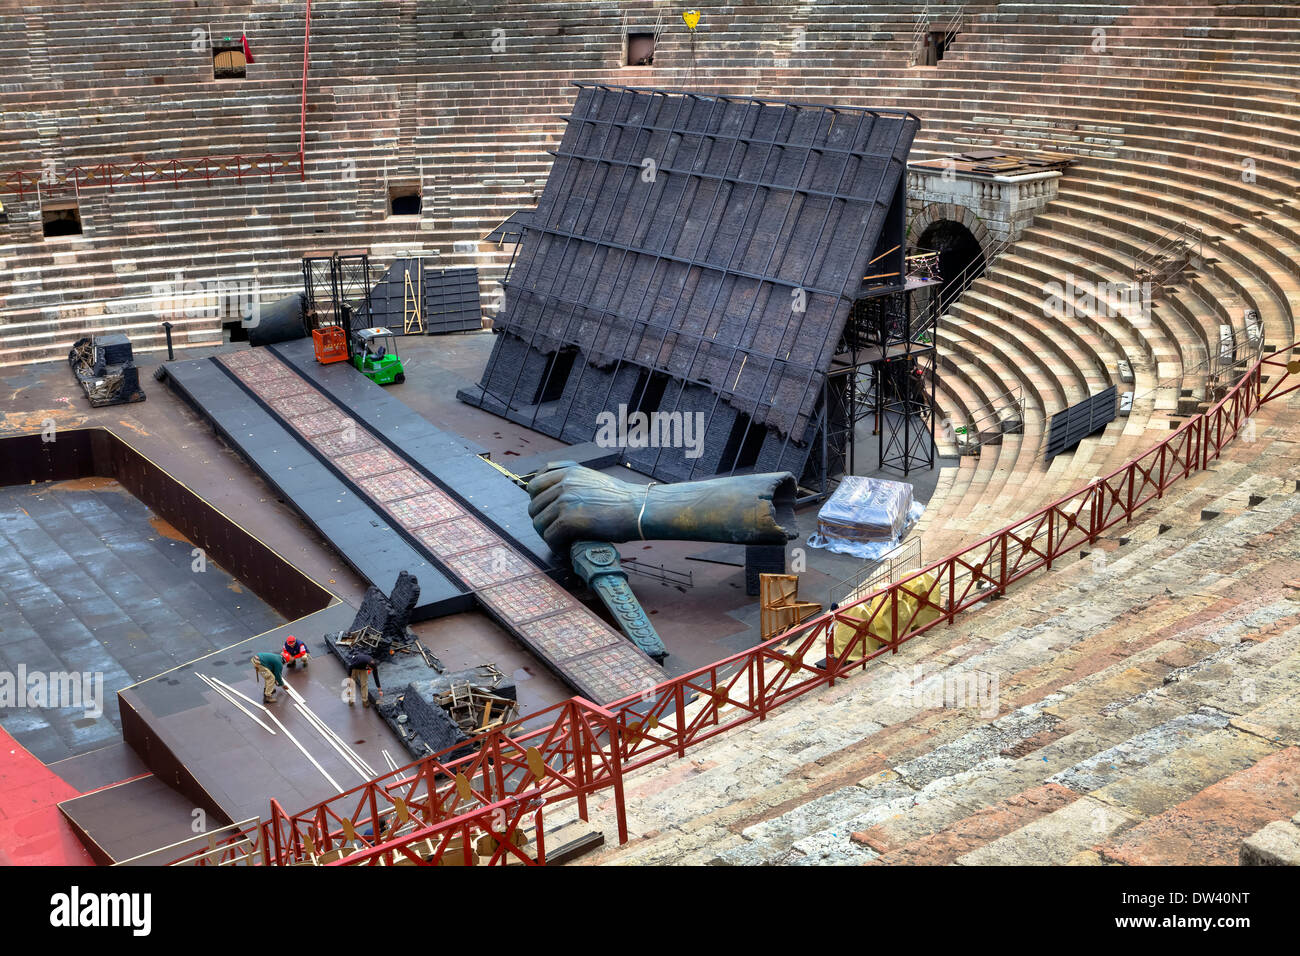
880, 631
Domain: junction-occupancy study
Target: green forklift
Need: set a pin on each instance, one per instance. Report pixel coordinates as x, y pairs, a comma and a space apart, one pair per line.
375, 356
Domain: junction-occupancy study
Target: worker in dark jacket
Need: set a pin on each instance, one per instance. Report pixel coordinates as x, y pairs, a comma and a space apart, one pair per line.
294, 652
360, 665
271, 669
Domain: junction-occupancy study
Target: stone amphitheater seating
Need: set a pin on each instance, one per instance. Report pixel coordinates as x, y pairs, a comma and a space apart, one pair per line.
1146, 712
1125, 732
1162, 120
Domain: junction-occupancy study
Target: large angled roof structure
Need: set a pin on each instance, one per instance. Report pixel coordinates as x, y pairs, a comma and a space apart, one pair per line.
714, 243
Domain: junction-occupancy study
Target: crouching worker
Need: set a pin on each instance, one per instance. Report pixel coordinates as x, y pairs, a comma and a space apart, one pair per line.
271, 669
294, 653
360, 666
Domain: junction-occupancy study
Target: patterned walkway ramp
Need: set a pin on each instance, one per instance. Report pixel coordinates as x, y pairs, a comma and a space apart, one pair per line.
590, 655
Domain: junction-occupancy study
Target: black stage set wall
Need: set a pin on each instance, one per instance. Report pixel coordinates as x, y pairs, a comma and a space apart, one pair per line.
736, 259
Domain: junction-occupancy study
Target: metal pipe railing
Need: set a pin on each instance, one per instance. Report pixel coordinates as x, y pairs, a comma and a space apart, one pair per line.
302, 122
888, 566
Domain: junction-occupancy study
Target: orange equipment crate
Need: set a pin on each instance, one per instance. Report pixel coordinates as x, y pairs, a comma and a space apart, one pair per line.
331, 344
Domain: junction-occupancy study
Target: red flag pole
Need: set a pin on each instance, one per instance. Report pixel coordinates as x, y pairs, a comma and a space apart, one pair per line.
302, 126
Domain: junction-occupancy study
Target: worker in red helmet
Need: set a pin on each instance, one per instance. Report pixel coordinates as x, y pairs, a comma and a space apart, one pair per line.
295, 653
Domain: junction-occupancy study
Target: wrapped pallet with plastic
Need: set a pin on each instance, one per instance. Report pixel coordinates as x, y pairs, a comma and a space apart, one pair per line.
916, 598
866, 517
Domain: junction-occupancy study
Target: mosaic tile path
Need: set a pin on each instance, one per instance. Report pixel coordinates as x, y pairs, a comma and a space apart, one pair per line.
593, 658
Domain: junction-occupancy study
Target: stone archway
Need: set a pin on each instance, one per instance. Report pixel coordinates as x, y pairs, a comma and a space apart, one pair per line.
939, 211
960, 239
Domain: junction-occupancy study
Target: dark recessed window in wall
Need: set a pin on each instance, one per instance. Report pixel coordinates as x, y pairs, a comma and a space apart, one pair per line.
648, 394
640, 49
556, 376
228, 63
404, 199
64, 220
743, 445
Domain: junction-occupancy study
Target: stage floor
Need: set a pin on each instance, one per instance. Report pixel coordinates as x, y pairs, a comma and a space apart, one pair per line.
92, 582
170, 433
700, 624
225, 761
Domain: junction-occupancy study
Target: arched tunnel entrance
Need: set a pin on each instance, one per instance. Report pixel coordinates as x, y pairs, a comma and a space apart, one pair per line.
961, 260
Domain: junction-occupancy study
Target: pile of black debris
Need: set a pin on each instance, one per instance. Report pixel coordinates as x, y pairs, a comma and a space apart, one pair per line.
382, 627
432, 716
105, 369
434, 710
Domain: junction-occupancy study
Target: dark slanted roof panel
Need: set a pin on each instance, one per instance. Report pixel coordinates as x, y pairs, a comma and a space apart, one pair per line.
718, 239
510, 229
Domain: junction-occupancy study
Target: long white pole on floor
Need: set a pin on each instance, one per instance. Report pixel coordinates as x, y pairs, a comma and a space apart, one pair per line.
351, 756
329, 731
244, 709
334, 783
333, 743
219, 681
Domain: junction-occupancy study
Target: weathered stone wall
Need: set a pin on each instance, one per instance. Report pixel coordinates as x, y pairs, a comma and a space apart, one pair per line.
996, 209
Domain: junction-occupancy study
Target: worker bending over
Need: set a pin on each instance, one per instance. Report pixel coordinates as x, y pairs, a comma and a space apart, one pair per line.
270, 668
360, 665
294, 652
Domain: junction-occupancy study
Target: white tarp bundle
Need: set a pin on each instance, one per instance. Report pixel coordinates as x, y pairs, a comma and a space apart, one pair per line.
865, 517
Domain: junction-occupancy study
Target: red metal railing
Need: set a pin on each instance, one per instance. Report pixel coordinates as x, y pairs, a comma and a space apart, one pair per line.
145, 173
173, 172
432, 810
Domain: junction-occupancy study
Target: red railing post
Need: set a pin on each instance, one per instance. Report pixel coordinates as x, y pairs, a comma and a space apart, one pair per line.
1002, 562
279, 846
499, 783
1094, 512
952, 583
581, 756
541, 837
375, 828
1202, 443
1051, 527
679, 708
616, 772
893, 620
1132, 489
276, 813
